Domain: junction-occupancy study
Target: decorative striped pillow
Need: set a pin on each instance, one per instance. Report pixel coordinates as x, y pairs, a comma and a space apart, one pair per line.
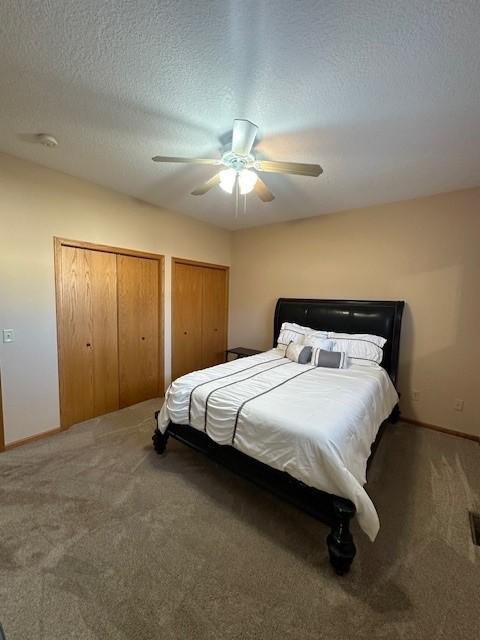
361, 348
330, 359
367, 337
292, 332
298, 353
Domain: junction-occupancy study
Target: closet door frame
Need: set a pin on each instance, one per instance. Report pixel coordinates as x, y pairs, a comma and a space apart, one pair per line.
58, 243
210, 265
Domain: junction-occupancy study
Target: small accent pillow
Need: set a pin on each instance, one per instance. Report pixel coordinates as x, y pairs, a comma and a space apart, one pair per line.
298, 353
318, 340
361, 348
330, 359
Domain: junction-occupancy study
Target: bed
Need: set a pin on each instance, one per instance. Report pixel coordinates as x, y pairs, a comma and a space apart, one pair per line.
306, 433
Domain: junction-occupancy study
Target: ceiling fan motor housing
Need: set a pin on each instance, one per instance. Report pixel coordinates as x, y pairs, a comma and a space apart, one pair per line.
236, 161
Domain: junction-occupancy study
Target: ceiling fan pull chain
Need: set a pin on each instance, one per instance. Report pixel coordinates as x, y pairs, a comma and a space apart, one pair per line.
236, 198
245, 204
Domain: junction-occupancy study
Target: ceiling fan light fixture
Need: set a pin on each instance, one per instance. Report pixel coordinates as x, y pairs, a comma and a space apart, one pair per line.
246, 181
227, 180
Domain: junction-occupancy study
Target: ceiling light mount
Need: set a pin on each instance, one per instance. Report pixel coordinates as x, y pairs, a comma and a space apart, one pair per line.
236, 161
47, 140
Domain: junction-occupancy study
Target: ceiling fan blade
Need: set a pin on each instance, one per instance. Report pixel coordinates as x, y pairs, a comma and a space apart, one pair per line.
262, 191
296, 168
243, 136
206, 186
213, 161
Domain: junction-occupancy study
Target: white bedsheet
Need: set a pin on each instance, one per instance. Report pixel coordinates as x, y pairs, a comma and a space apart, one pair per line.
317, 424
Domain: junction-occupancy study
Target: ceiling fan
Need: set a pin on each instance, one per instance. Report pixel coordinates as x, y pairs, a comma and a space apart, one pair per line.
239, 174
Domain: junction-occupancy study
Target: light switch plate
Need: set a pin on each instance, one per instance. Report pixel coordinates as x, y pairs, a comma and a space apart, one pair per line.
8, 335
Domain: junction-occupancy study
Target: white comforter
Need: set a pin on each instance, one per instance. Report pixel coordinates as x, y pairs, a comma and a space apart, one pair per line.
317, 424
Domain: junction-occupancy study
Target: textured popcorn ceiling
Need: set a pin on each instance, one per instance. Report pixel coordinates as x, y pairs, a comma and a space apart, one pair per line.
384, 94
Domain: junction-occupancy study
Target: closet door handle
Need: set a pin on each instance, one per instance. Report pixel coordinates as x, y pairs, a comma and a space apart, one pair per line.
88, 344
143, 337
184, 333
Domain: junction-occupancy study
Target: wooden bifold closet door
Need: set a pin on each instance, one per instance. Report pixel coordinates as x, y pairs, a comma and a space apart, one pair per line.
214, 316
109, 324
88, 331
138, 311
199, 315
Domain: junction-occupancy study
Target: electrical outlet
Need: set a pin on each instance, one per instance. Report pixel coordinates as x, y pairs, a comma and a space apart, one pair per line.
415, 396
8, 335
458, 406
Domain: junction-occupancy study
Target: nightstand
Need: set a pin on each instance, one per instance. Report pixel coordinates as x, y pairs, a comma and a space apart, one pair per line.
241, 352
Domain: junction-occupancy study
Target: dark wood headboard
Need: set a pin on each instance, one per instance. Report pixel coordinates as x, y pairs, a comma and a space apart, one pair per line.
378, 317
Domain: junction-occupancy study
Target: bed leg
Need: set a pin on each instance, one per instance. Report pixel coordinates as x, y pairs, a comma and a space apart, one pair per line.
395, 415
341, 547
159, 439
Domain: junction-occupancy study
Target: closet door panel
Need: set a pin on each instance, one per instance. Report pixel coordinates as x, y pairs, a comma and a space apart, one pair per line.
76, 337
103, 270
214, 316
187, 295
138, 322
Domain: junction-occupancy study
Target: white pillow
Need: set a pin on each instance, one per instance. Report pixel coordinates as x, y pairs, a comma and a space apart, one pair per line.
292, 332
318, 341
288, 334
361, 348
368, 337
305, 330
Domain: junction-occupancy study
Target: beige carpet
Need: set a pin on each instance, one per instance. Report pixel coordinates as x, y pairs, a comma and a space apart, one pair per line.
102, 538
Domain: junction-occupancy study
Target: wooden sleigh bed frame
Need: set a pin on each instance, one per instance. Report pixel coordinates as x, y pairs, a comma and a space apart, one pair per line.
382, 318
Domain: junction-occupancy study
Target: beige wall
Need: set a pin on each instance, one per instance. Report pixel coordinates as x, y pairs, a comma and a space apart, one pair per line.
425, 251
35, 205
